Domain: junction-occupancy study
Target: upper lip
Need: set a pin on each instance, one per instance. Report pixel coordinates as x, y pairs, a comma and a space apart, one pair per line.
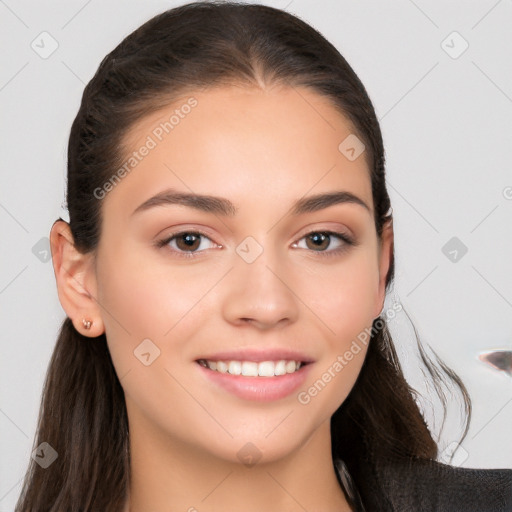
258, 355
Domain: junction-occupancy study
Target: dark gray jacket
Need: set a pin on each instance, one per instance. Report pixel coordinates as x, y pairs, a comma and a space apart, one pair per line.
429, 486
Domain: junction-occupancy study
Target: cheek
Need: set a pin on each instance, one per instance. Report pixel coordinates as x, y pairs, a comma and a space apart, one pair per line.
342, 298
143, 298
149, 301
343, 295
141, 302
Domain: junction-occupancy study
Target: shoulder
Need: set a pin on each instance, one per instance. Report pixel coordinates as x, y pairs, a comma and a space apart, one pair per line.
433, 486
421, 485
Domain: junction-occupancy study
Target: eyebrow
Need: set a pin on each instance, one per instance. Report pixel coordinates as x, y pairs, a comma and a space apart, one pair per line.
224, 207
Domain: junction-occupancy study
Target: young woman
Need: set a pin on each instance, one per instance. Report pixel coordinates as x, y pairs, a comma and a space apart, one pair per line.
224, 273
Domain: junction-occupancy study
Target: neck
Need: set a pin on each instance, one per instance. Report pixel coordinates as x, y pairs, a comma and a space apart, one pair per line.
169, 475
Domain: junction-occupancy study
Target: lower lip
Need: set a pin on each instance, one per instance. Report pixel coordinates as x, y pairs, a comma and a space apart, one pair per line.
260, 389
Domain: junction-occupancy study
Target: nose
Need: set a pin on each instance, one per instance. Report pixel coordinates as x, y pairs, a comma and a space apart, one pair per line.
260, 294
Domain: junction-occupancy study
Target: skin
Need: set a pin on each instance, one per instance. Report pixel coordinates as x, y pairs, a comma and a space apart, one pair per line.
262, 149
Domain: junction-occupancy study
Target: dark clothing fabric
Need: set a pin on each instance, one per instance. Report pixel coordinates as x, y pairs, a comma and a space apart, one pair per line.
430, 486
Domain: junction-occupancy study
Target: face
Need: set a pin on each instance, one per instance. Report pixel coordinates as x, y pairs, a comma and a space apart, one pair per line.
251, 280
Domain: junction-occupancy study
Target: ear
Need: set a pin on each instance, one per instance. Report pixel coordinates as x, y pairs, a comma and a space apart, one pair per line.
76, 280
385, 259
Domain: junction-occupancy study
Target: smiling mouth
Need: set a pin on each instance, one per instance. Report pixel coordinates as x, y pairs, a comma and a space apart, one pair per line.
253, 368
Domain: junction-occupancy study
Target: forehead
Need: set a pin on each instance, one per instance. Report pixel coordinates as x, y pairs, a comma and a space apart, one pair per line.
243, 142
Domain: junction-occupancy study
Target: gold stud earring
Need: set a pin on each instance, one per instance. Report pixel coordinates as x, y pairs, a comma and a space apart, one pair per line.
86, 323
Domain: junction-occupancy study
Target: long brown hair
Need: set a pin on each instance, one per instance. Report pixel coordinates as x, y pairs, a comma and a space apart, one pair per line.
196, 46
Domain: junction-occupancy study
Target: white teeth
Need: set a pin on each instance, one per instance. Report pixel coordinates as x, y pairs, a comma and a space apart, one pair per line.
249, 369
252, 368
280, 368
291, 366
266, 369
222, 367
235, 367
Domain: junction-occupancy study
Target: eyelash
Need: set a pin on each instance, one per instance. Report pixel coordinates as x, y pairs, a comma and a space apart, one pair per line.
348, 241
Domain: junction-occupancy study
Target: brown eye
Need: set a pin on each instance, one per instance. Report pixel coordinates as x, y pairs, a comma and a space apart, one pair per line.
320, 241
184, 243
188, 241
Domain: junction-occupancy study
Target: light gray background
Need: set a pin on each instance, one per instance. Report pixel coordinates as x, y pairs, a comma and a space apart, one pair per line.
447, 129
